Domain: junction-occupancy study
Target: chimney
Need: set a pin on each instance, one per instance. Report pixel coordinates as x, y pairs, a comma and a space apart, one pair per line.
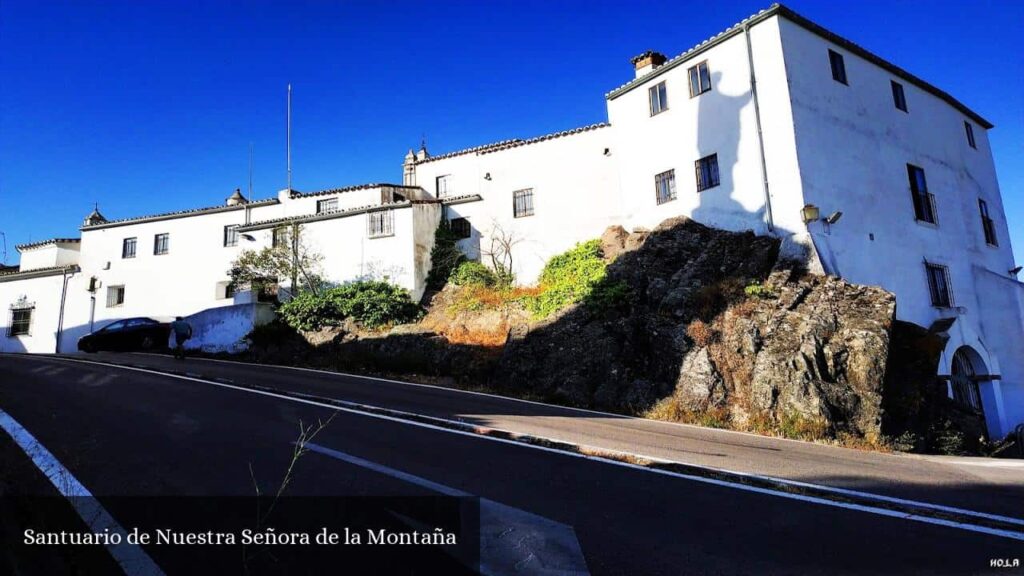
647, 62
236, 198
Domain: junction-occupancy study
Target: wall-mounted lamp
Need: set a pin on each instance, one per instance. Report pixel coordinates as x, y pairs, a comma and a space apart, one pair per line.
607, 151
833, 217
247, 237
1015, 271
487, 176
810, 213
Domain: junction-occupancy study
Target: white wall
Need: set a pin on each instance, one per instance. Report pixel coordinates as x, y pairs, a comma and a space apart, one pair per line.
45, 295
574, 195
224, 329
49, 256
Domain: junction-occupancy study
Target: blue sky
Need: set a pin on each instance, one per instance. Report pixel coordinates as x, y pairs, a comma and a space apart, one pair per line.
150, 107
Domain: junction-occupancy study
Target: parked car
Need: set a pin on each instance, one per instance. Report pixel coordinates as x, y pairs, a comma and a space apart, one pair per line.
127, 334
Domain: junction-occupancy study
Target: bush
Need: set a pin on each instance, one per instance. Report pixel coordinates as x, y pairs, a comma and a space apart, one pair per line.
445, 256
471, 273
758, 290
607, 296
369, 303
568, 278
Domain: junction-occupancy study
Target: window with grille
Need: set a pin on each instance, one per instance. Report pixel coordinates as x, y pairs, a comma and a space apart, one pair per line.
21, 322
522, 203
964, 381
161, 244
665, 186
444, 186
231, 235
938, 285
986, 224
898, 96
280, 237
128, 247
115, 296
329, 205
700, 79
707, 172
924, 202
835, 59
380, 224
461, 228
659, 98
970, 134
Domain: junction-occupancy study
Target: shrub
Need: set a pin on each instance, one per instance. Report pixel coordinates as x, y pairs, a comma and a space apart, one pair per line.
471, 273
568, 278
445, 257
271, 333
758, 290
607, 296
369, 303
700, 333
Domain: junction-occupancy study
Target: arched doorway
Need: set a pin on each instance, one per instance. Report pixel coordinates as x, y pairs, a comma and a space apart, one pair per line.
966, 367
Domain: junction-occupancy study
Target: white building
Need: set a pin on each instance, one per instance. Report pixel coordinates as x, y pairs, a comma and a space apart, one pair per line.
775, 125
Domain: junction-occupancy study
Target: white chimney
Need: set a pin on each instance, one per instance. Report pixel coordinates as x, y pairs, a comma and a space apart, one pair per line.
647, 62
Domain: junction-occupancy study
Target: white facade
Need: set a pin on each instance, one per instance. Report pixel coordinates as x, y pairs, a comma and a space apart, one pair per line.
771, 125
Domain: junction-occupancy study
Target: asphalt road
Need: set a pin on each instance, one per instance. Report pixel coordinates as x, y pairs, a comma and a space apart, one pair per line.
126, 432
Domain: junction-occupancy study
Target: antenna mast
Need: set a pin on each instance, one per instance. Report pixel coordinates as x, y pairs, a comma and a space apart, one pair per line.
250, 172
289, 136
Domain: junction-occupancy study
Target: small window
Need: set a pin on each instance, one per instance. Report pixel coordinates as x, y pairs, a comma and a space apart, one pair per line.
924, 202
329, 205
128, 247
522, 203
898, 97
700, 79
21, 322
461, 228
986, 224
665, 186
161, 244
659, 98
838, 66
380, 224
280, 237
970, 134
444, 186
115, 296
231, 235
707, 172
225, 290
938, 285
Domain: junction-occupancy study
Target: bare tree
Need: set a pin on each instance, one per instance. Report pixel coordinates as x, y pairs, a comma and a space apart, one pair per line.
288, 257
500, 247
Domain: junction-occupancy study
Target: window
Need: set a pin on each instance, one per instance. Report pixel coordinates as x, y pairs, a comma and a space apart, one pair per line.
898, 97
838, 66
987, 224
938, 285
924, 203
700, 79
665, 186
707, 172
21, 322
461, 228
115, 296
128, 247
380, 224
329, 205
522, 203
161, 244
970, 134
231, 235
659, 98
225, 290
280, 237
444, 186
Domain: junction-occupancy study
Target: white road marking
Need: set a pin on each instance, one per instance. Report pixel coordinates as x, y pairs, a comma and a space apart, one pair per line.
511, 540
132, 558
706, 480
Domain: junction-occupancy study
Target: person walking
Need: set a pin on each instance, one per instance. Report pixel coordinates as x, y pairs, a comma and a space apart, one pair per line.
182, 332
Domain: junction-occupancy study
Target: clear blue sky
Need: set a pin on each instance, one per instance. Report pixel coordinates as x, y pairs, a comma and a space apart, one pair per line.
150, 107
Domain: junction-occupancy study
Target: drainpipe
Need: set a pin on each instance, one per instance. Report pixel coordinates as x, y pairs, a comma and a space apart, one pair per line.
60, 317
760, 136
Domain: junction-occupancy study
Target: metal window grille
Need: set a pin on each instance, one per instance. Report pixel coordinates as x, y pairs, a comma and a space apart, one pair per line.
939, 286
964, 381
665, 186
461, 228
444, 186
700, 79
707, 172
280, 237
161, 244
21, 322
659, 98
380, 224
522, 203
115, 296
231, 235
128, 248
329, 205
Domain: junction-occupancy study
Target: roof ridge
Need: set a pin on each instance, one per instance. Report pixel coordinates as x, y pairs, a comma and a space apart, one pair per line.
515, 142
36, 244
188, 212
353, 188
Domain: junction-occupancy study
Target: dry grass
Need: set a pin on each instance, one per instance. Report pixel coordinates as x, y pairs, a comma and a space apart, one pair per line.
671, 410
478, 298
701, 333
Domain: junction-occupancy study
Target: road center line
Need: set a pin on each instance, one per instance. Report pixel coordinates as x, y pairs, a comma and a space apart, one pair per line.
1014, 535
132, 558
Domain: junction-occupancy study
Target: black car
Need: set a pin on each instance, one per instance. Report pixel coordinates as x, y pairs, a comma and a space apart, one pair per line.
127, 334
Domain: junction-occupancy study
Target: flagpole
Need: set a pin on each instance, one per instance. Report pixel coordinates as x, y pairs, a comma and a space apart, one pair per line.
289, 136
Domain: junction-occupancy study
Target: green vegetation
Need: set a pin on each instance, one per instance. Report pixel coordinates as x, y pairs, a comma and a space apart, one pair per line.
569, 278
759, 290
445, 257
370, 303
470, 273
